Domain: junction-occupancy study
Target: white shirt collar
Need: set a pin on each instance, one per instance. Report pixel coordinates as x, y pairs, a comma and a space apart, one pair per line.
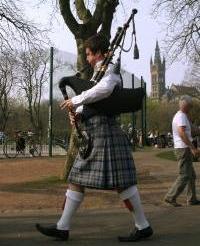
97, 65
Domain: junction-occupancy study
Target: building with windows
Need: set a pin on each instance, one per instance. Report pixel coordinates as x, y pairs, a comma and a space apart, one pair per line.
159, 92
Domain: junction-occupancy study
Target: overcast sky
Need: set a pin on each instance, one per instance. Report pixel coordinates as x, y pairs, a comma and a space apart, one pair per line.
148, 31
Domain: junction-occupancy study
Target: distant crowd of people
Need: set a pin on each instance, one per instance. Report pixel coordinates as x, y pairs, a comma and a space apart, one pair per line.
160, 140
154, 138
134, 135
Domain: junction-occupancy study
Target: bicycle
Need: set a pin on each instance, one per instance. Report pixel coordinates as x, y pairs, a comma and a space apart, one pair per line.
20, 144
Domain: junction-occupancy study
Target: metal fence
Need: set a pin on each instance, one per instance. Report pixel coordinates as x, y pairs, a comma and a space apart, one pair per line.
44, 151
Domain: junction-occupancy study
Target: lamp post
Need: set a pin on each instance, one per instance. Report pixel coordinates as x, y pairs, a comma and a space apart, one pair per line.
50, 102
133, 115
143, 112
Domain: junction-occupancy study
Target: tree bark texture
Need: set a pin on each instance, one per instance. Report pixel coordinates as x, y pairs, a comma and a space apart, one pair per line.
71, 155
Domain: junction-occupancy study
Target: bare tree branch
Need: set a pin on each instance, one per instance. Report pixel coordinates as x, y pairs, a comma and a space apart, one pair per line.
192, 76
68, 16
84, 13
8, 75
182, 26
34, 75
15, 30
109, 10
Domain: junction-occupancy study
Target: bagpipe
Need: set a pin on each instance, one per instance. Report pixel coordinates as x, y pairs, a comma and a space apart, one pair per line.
122, 100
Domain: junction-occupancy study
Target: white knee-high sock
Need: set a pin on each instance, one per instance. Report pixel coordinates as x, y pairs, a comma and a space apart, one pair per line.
132, 200
73, 201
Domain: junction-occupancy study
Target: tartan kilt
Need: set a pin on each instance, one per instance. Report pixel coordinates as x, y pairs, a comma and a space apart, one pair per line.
110, 164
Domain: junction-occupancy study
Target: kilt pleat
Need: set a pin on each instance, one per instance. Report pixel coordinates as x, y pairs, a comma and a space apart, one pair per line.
110, 164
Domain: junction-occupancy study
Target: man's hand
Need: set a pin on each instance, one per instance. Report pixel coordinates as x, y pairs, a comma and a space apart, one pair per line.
67, 104
73, 116
195, 152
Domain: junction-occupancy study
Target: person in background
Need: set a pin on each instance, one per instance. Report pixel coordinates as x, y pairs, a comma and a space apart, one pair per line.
184, 149
2, 137
20, 142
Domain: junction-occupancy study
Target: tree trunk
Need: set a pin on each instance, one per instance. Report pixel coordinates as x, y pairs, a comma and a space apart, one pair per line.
81, 60
71, 155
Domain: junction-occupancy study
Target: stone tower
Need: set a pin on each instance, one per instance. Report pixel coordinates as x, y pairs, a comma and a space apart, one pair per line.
157, 75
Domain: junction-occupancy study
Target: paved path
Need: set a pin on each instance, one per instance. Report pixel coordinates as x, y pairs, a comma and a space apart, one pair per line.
172, 226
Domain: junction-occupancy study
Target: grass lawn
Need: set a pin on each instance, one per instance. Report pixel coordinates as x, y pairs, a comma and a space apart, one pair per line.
167, 155
37, 185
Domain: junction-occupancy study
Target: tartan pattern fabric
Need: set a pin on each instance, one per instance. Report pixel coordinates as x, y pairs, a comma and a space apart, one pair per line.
110, 164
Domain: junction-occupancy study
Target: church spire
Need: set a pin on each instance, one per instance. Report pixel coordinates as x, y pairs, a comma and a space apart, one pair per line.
151, 61
157, 69
157, 59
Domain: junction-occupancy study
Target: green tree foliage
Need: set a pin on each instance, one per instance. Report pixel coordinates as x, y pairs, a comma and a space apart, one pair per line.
194, 114
159, 115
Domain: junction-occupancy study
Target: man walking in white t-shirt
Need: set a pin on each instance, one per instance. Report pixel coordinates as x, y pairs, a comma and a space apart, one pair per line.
184, 149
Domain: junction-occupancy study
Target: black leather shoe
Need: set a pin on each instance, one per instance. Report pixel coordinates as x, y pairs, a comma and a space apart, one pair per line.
172, 202
52, 231
195, 202
137, 235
